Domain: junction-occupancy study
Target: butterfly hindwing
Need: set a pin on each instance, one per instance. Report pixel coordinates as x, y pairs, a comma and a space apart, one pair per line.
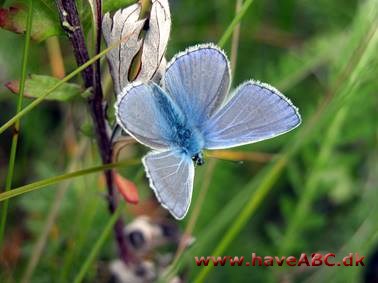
198, 80
255, 112
171, 177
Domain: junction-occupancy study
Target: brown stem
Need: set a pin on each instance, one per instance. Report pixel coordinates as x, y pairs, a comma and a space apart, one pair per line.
92, 79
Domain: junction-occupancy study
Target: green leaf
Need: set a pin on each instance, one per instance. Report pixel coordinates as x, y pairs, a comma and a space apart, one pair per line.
36, 85
113, 5
48, 92
45, 19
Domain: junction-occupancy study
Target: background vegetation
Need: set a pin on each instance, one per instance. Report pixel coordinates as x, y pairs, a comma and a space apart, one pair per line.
311, 190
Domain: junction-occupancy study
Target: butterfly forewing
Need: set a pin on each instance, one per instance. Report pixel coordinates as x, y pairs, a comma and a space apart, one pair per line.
142, 112
198, 80
255, 112
171, 177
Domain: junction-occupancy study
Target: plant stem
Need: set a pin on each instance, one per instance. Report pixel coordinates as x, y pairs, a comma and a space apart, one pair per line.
56, 179
71, 22
235, 39
16, 131
55, 57
230, 29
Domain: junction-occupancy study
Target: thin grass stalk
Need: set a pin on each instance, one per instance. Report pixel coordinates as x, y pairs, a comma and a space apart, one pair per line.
51, 218
99, 243
293, 230
82, 227
16, 130
230, 29
368, 230
235, 39
57, 179
40, 99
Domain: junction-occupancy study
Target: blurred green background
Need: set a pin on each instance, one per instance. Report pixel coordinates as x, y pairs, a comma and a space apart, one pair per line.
311, 190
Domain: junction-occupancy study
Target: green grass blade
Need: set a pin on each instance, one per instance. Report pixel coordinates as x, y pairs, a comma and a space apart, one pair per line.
13, 151
330, 106
293, 230
99, 243
56, 179
254, 202
230, 29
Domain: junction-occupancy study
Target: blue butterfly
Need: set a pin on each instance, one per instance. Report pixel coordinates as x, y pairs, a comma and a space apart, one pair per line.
192, 112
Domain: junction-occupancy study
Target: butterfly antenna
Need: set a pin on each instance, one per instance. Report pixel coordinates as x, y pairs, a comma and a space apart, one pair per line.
117, 131
237, 162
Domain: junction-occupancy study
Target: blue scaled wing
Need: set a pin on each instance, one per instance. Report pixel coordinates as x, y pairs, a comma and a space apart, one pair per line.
148, 114
255, 112
198, 80
171, 177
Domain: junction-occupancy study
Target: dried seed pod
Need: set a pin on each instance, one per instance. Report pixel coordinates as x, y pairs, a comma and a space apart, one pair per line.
140, 57
124, 23
156, 39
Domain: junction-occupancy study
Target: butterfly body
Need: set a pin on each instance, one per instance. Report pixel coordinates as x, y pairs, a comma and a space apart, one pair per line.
193, 111
183, 136
198, 159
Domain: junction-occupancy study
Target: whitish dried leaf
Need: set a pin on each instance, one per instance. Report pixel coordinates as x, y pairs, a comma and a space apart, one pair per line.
123, 23
147, 47
155, 40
